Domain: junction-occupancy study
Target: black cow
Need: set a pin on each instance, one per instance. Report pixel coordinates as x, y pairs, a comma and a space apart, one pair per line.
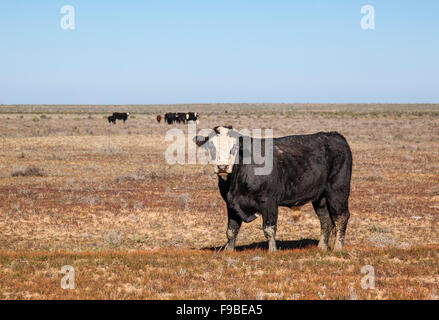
170, 117
305, 168
192, 116
121, 115
112, 119
181, 117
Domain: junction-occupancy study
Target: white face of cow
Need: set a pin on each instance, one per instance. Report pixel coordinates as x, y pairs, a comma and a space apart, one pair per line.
226, 146
223, 147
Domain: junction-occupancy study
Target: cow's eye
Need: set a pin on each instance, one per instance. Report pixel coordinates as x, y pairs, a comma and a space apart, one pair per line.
234, 149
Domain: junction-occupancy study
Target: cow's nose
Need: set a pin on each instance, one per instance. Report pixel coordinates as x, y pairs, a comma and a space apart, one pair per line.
222, 167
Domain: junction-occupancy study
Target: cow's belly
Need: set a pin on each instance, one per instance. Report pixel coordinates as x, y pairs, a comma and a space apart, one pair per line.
303, 189
248, 205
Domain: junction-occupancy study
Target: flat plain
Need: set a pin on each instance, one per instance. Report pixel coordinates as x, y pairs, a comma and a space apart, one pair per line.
76, 190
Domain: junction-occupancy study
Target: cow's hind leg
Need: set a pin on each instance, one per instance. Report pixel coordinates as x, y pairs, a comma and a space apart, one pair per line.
269, 225
339, 211
341, 222
326, 223
337, 194
233, 226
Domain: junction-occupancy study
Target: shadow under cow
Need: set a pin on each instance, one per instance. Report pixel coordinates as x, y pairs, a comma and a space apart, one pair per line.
281, 245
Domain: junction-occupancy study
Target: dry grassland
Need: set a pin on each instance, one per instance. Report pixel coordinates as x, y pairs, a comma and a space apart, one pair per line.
76, 190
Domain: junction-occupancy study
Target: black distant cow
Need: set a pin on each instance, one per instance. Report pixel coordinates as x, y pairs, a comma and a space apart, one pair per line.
181, 117
305, 168
170, 117
121, 115
112, 119
192, 116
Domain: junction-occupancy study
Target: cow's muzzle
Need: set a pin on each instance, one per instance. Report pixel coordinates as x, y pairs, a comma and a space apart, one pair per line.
222, 170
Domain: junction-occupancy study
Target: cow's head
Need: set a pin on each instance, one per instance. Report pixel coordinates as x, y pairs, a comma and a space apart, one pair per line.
223, 148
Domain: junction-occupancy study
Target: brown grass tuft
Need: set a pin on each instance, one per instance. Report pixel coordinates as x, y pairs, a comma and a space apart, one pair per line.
28, 171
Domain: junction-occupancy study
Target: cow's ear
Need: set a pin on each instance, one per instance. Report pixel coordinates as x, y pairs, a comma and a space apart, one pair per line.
200, 140
233, 133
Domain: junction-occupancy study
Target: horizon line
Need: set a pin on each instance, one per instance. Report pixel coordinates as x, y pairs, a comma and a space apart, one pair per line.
215, 103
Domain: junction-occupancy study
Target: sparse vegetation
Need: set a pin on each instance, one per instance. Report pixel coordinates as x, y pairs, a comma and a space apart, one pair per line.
101, 198
140, 174
28, 171
200, 274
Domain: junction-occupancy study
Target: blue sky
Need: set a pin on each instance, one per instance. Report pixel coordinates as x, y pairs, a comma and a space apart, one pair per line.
159, 52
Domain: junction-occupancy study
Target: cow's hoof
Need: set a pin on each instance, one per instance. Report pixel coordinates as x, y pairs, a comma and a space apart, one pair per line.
338, 247
322, 248
272, 247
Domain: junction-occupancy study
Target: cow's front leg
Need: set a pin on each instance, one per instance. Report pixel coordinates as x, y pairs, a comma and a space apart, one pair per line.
269, 222
233, 226
270, 234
